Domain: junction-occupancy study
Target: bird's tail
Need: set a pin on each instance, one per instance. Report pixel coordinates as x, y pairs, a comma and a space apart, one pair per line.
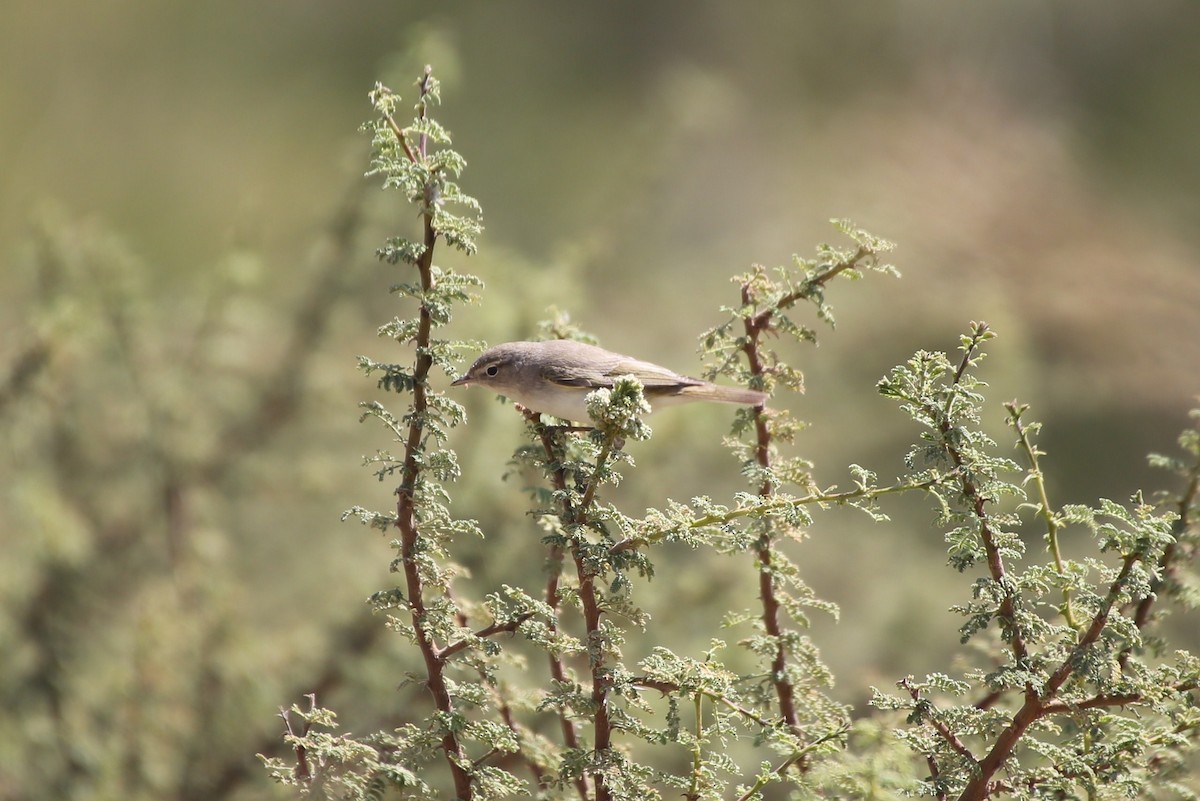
720, 394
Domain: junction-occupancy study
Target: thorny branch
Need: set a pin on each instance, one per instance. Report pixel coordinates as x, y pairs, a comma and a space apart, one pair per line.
435, 665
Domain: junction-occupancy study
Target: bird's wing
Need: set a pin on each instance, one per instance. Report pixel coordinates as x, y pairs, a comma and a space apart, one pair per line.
571, 376
573, 371
651, 375
577, 373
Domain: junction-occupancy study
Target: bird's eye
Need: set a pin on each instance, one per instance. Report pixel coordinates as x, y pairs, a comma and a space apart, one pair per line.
492, 369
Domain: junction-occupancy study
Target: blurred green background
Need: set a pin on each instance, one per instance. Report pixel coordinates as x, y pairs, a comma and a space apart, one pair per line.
187, 273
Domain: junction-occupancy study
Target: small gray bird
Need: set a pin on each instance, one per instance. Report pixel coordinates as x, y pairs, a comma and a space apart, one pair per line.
555, 376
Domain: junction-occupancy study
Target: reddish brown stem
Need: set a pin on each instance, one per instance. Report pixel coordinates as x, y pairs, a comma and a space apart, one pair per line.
784, 690
592, 611
405, 518
988, 535
591, 616
941, 728
1175, 554
1038, 705
558, 672
502, 705
508, 626
755, 326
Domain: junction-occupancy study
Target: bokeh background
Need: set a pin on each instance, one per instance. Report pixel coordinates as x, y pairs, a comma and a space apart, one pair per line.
187, 275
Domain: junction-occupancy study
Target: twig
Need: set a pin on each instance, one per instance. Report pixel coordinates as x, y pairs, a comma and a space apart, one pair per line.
1035, 471
778, 505
784, 691
303, 771
754, 328
976, 501
957, 745
558, 478
792, 760
456, 757
1036, 704
505, 710
1175, 554
507, 627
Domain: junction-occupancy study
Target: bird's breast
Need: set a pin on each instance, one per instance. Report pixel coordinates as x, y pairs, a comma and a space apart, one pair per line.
565, 403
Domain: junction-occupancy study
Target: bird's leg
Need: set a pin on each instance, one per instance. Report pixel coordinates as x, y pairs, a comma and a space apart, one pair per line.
571, 429
552, 430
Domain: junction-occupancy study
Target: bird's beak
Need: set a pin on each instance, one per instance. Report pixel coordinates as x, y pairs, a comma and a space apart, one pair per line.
458, 382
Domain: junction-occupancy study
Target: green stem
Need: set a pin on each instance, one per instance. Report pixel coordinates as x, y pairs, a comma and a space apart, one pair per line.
1035, 471
800, 754
778, 505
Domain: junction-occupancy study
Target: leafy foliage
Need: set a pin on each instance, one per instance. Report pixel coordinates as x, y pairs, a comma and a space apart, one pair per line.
530, 692
1075, 700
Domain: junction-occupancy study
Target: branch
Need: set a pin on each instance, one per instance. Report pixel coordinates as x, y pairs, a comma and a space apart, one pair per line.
762, 320
1175, 554
781, 504
950, 737
558, 672
784, 691
1095, 702
456, 757
754, 327
1060, 676
1035, 471
666, 687
506, 713
790, 761
303, 771
976, 502
1035, 705
487, 631
575, 516
400, 137
989, 700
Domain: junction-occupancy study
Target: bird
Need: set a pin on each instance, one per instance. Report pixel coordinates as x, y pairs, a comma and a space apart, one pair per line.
554, 377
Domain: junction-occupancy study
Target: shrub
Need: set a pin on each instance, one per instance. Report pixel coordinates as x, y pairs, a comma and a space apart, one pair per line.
1067, 691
